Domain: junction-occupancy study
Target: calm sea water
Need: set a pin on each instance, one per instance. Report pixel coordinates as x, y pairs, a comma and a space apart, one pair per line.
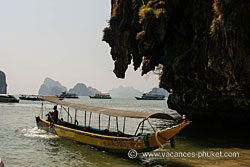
23, 144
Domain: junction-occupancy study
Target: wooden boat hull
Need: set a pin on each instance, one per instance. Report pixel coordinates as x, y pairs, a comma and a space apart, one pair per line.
93, 97
141, 98
31, 99
9, 100
112, 143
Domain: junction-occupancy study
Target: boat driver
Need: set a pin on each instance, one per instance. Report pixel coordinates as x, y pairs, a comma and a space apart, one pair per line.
55, 114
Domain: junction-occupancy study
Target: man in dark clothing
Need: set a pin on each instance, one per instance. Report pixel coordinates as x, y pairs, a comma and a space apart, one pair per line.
55, 114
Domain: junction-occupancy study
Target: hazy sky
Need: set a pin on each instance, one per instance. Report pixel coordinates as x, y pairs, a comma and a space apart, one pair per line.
60, 39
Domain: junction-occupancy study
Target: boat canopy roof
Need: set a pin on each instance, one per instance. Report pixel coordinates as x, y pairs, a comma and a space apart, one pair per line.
108, 111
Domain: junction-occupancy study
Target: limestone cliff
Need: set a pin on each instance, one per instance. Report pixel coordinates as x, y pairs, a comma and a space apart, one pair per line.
93, 90
159, 91
81, 90
51, 87
202, 46
3, 84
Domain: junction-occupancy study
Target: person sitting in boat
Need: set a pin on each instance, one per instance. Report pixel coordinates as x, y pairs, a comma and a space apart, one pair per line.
49, 116
55, 114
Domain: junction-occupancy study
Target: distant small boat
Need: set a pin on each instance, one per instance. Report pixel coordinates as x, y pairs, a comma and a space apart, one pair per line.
101, 96
8, 99
68, 95
31, 97
149, 96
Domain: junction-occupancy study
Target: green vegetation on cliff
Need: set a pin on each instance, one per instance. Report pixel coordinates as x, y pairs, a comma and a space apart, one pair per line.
203, 46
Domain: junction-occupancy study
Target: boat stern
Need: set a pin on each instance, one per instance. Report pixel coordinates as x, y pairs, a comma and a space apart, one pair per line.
42, 124
162, 136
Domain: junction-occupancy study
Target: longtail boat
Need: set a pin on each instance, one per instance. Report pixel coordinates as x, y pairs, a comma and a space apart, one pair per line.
8, 98
30, 97
111, 141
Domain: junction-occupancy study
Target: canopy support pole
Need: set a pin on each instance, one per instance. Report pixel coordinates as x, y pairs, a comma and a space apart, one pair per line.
109, 122
85, 118
142, 126
61, 112
138, 127
75, 116
90, 114
99, 123
68, 115
67, 111
151, 125
124, 121
42, 110
117, 124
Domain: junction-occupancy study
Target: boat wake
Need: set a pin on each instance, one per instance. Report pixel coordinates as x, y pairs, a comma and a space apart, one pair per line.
37, 133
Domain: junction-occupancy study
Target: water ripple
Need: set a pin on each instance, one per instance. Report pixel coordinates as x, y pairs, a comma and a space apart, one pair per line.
37, 133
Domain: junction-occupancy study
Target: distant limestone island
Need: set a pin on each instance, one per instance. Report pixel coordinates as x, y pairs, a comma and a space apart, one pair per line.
154, 94
52, 88
82, 90
125, 92
3, 84
159, 91
130, 92
5, 98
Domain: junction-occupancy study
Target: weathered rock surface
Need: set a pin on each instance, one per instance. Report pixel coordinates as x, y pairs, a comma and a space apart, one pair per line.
51, 87
93, 90
203, 46
3, 84
81, 90
159, 91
